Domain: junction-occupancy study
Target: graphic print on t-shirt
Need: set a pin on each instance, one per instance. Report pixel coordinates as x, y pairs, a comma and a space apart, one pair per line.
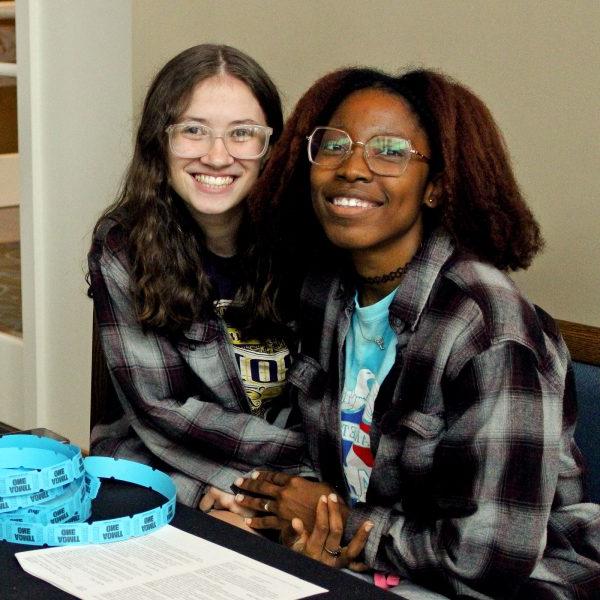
356, 415
370, 347
263, 365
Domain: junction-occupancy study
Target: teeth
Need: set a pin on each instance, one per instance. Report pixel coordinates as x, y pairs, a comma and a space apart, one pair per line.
354, 202
214, 181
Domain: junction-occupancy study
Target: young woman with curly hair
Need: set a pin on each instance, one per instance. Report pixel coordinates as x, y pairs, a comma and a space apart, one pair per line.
437, 400
195, 341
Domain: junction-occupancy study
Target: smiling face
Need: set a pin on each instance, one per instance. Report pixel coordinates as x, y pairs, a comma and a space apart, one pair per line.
377, 218
214, 186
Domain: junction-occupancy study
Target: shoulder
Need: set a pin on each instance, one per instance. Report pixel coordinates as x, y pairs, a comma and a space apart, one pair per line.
498, 312
498, 300
111, 232
110, 246
111, 235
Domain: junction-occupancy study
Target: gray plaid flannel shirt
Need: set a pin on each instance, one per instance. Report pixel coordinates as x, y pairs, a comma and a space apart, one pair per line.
184, 403
476, 488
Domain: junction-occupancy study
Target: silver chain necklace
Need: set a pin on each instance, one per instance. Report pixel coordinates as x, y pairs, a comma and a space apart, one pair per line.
377, 340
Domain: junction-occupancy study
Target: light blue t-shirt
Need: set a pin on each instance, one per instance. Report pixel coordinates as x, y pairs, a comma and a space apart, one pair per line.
370, 354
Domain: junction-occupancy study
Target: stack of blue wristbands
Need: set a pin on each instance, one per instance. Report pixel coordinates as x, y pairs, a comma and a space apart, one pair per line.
47, 488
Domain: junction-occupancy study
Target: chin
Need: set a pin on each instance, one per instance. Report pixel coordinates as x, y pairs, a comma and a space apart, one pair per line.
214, 206
347, 240
344, 243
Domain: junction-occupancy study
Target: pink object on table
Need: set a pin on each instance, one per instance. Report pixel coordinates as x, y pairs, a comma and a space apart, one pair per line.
384, 581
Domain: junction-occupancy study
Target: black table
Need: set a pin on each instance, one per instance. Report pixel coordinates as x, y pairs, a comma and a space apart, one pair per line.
117, 499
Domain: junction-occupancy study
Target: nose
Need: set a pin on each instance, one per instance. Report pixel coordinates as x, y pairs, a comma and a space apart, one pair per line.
354, 167
218, 156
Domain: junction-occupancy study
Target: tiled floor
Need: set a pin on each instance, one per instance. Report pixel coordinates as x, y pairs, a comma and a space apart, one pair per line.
10, 288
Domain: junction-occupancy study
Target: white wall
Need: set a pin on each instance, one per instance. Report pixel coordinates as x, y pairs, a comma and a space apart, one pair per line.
74, 111
534, 63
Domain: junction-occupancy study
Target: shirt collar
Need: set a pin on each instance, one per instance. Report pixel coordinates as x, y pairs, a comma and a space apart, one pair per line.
414, 289
418, 281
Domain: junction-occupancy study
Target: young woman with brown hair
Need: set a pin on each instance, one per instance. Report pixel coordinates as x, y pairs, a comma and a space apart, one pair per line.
195, 340
437, 400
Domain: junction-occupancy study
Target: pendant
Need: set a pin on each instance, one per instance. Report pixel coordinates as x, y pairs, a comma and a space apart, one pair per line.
379, 342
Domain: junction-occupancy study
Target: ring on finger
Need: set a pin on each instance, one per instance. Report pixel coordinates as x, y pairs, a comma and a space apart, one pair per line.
266, 506
336, 553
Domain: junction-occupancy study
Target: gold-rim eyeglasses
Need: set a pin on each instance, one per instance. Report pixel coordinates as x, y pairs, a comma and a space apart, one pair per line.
388, 155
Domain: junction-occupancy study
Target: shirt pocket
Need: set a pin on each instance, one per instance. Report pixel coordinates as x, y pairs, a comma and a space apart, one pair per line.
209, 370
405, 456
423, 432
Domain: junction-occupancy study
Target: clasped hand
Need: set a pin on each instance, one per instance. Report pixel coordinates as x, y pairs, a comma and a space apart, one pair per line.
216, 499
310, 516
283, 497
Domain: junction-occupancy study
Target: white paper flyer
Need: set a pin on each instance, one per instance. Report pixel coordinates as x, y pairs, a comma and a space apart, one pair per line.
168, 564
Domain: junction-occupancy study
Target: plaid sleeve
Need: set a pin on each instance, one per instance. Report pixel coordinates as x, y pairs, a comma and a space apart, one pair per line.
496, 470
188, 419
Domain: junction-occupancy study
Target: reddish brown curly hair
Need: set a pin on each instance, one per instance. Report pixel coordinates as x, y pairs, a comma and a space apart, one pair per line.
479, 201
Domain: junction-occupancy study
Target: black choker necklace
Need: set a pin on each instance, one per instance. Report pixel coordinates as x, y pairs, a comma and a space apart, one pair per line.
396, 274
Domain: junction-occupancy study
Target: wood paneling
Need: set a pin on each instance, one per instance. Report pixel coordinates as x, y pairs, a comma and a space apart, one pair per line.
8, 87
8, 119
583, 341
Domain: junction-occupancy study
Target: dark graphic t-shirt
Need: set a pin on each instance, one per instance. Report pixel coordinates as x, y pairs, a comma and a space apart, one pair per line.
263, 361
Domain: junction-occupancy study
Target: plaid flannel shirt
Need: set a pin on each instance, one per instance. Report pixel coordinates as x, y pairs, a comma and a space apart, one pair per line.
476, 488
185, 406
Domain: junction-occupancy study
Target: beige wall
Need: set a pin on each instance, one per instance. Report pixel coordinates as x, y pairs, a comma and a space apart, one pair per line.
534, 63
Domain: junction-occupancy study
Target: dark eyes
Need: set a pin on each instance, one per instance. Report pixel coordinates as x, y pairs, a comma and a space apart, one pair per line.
195, 131
389, 148
241, 134
339, 145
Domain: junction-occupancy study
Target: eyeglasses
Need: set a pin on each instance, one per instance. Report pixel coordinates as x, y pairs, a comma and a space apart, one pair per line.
386, 155
194, 140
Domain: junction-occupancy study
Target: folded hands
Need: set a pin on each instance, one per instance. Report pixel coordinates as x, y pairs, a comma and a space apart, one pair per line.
310, 515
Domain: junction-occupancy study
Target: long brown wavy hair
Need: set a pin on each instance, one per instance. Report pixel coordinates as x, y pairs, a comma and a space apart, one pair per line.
480, 203
165, 245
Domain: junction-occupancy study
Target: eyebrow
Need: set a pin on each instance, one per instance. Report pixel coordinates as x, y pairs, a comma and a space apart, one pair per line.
387, 134
206, 121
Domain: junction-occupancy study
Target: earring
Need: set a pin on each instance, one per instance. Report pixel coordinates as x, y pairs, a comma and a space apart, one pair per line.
430, 200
